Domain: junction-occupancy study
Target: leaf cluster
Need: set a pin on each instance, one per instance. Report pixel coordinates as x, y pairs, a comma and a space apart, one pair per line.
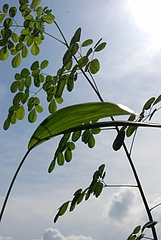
95, 188
138, 232
147, 112
31, 35
67, 145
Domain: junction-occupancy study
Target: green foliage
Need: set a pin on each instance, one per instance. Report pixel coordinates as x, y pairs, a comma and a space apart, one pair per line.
95, 188
34, 18
138, 232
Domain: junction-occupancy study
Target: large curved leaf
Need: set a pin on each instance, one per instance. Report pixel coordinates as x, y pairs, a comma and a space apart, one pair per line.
72, 116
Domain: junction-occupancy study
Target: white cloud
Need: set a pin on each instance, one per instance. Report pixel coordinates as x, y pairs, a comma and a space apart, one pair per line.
54, 234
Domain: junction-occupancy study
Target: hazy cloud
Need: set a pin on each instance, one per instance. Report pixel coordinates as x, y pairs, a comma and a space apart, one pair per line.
120, 204
6, 238
54, 234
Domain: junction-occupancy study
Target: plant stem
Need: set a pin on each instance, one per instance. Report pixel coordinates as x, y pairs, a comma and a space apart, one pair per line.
11, 184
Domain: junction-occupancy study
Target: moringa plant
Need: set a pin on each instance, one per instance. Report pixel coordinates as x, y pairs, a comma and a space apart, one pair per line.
79, 122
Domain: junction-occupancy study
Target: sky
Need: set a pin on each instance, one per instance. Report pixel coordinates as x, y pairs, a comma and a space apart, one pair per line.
130, 74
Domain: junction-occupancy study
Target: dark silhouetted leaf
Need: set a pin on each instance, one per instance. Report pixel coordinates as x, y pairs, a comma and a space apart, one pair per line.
119, 140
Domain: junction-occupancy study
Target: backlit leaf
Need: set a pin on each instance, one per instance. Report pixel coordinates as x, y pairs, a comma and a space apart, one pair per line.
7, 23
35, 3
5, 8
94, 66
4, 53
63, 208
44, 64
32, 116
20, 113
12, 11
100, 47
82, 61
35, 50
24, 51
87, 42
76, 36
48, 18
72, 116
2, 16
15, 37
16, 61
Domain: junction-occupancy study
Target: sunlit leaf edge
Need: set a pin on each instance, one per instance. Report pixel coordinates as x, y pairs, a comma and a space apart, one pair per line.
72, 116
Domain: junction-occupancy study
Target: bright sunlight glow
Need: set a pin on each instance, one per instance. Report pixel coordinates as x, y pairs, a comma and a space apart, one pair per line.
147, 14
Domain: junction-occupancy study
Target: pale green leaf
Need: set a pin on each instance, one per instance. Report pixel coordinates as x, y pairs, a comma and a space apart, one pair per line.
35, 3
44, 64
35, 50
16, 61
20, 113
2, 16
87, 42
72, 116
48, 18
94, 66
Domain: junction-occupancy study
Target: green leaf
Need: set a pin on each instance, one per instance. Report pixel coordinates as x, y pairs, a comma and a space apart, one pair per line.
25, 73
4, 53
35, 50
6, 124
76, 135
72, 116
32, 116
91, 141
100, 47
12, 11
37, 40
6, 33
15, 37
52, 106
18, 76
119, 140
82, 61
14, 86
44, 64
21, 2
16, 61
76, 36
34, 65
137, 230
48, 18
7, 23
158, 99
20, 113
63, 208
35, 3
2, 16
70, 84
148, 104
24, 51
101, 169
17, 98
52, 166
94, 66
39, 108
60, 159
68, 155
87, 42
39, 11
5, 8
130, 130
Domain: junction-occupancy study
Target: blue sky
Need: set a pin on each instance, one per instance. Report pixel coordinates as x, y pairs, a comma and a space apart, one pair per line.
130, 74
